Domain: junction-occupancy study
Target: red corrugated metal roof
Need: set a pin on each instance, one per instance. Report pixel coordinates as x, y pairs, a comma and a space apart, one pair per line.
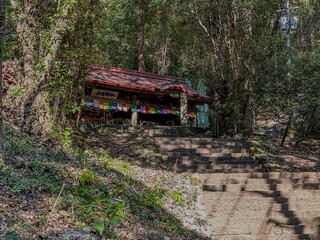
141, 81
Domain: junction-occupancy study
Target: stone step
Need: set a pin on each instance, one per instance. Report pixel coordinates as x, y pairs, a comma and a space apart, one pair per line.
263, 197
232, 170
213, 180
267, 175
217, 146
257, 219
205, 150
199, 154
217, 166
259, 187
262, 205
187, 141
195, 139
193, 163
217, 160
266, 237
270, 228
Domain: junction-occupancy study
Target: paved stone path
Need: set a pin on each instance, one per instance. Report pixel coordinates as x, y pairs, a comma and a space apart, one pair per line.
242, 201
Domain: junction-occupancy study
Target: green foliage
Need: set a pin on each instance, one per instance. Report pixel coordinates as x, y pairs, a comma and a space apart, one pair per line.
16, 144
177, 196
41, 175
106, 213
87, 177
11, 236
154, 198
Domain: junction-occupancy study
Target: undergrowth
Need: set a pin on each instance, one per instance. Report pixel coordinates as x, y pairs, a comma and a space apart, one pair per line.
100, 192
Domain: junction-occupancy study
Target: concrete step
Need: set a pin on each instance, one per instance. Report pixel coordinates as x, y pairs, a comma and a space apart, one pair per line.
196, 139
193, 163
205, 150
270, 228
217, 160
294, 176
259, 187
197, 165
263, 197
201, 171
266, 237
199, 154
192, 141
211, 179
267, 205
217, 146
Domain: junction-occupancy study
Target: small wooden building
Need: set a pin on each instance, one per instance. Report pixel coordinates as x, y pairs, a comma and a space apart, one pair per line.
118, 96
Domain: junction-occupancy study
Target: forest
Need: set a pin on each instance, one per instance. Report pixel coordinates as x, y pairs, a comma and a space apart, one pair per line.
235, 47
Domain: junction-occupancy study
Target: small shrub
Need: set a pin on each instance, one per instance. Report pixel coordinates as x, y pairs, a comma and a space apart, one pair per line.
87, 177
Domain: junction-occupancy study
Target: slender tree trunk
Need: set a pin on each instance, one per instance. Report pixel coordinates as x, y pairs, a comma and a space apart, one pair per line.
2, 24
287, 130
141, 66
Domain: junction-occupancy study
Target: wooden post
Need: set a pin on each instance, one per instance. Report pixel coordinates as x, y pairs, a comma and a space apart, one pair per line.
194, 122
183, 108
134, 116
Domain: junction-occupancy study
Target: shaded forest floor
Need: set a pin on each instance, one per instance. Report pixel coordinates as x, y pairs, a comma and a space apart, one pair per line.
107, 183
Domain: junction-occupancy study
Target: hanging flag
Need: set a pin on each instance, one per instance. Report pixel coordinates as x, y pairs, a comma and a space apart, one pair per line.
87, 102
162, 111
133, 108
100, 105
147, 110
168, 111
152, 110
157, 111
124, 108
177, 113
91, 103
143, 110
114, 106
119, 106
138, 108
110, 106
194, 115
95, 103
105, 106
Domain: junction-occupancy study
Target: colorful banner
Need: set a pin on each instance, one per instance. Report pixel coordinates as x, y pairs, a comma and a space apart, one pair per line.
132, 107
124, 108
119, 106
101, 105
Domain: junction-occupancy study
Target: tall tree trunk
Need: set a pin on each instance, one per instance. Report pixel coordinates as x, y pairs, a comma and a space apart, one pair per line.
141, 66
2, 23
37, 60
